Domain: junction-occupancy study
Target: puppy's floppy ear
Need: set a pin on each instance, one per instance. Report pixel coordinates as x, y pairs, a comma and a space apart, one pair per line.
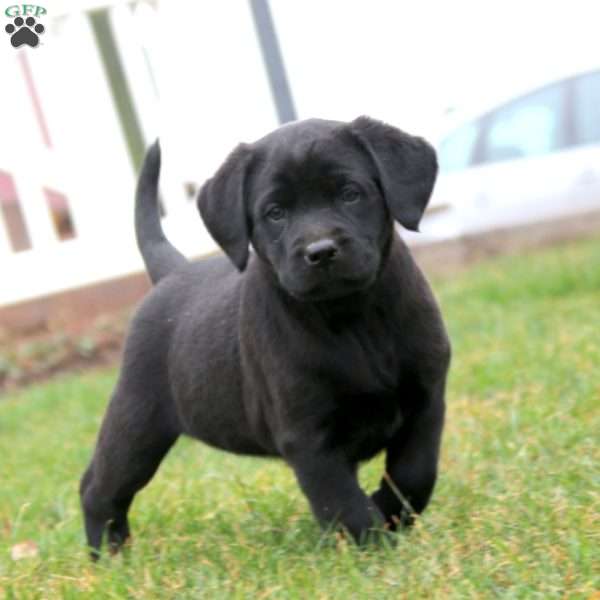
222, 204
406, 165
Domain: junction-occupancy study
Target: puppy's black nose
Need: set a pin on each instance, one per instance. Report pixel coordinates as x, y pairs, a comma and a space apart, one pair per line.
320, 252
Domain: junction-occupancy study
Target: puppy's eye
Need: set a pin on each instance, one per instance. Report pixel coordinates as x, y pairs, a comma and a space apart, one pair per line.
275, 213
351, 195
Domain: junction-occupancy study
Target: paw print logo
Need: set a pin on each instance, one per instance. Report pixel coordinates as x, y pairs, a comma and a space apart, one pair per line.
24, 32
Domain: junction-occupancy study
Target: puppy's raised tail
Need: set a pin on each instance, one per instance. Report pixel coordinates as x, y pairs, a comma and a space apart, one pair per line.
160, 256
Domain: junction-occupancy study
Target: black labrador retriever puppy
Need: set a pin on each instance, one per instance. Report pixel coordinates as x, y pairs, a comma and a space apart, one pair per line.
324, 346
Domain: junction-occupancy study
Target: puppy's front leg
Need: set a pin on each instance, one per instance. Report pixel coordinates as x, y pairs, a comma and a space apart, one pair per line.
411, 461
331, 486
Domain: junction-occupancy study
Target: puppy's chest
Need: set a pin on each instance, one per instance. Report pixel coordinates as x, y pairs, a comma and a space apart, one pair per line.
363, 376
362, 361
362, 425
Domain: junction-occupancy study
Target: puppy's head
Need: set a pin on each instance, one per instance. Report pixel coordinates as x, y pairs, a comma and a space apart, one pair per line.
317, 200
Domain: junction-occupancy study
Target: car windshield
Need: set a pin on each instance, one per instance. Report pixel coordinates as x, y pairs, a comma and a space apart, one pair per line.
456, 151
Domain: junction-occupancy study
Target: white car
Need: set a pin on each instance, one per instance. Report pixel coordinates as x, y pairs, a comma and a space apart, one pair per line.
534, 158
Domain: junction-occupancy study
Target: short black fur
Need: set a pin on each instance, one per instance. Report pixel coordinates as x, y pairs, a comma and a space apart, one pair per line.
323, 346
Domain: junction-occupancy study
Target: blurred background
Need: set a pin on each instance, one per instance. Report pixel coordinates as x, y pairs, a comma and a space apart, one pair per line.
508, 92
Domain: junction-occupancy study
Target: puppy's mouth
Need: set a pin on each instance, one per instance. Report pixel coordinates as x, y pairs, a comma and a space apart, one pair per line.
331, 289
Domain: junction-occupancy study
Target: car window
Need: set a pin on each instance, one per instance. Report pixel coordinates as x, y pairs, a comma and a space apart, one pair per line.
529, 126
587, 108
456, 150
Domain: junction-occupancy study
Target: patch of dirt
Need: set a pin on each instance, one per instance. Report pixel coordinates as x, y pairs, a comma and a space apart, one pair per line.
42, 354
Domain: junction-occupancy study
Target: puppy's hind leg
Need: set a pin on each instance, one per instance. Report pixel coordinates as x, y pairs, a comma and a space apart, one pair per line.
136, 434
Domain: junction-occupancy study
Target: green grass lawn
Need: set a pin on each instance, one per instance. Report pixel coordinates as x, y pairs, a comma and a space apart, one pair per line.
516, 513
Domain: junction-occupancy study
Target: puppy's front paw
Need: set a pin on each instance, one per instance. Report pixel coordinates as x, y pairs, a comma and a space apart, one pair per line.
398, 516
